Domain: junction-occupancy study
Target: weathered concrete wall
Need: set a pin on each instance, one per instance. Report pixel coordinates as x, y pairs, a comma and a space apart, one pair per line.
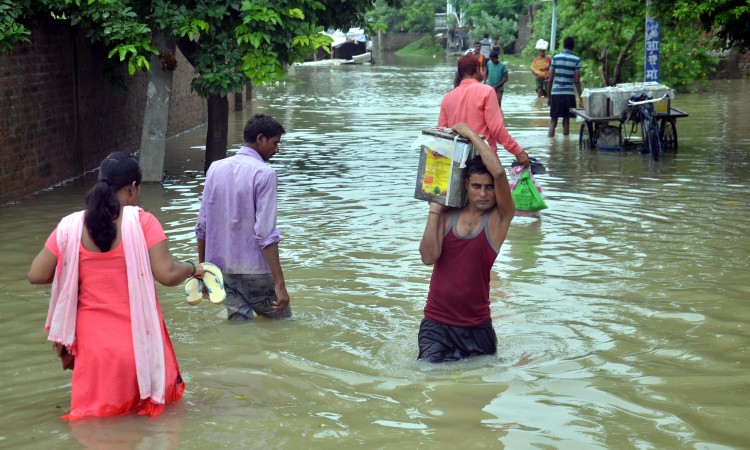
743, 64
60, 114
732, 66
390, 42
524, 34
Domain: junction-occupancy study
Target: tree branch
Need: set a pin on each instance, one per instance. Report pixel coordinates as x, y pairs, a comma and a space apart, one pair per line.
623, 56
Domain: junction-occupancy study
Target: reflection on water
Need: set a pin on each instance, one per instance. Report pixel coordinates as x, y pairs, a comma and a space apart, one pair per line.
620, 314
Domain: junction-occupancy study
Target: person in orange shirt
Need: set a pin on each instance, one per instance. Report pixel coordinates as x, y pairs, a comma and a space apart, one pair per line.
540, 68
477, 52
475, 104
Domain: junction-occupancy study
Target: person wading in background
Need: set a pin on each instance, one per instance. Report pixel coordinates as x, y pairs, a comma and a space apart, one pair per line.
564, 76
476, 105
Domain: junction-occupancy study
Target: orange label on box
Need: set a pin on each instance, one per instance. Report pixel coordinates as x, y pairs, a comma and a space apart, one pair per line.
437, 172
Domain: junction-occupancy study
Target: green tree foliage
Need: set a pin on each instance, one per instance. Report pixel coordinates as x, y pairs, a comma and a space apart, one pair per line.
506, 9
230, 42
605, 34
413, 16
685, 58
728, 19
610, 40
504, 29
114, 24
11, 30
498, 18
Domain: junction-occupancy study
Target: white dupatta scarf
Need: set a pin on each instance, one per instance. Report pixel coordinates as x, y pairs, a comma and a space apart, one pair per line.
144, 316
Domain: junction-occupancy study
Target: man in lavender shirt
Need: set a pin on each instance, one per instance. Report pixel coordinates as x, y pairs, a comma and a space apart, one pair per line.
236, 226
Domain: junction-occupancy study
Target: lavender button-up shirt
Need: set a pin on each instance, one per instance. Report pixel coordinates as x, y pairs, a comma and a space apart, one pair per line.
237, 218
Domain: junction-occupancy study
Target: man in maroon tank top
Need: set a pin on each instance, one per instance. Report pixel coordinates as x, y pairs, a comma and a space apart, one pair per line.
462, 244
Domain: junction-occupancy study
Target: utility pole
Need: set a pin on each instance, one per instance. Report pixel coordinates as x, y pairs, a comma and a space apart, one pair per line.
553, 39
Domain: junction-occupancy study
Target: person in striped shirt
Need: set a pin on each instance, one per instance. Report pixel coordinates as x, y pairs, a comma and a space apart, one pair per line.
564, 82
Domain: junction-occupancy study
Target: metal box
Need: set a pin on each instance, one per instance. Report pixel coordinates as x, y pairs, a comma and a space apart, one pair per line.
597, 103
442, 157
652, 90
663, 106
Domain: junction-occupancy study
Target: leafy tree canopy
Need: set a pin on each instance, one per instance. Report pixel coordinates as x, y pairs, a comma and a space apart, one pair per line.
610, 40
414, 16
232, 42
498, 18
504, 9
505, 30
229, 42
728, 19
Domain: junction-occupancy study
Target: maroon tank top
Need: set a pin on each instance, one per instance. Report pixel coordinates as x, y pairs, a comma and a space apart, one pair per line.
460, 286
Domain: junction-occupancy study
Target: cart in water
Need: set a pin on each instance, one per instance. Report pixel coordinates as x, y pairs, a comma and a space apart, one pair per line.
636, 121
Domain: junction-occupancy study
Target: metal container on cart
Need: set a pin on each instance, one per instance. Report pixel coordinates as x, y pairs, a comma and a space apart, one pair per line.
623, 91
609, 131
596, 101
442, 157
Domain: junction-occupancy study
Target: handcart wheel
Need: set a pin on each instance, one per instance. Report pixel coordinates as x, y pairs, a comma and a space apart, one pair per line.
668, 134
586, 137
654, 146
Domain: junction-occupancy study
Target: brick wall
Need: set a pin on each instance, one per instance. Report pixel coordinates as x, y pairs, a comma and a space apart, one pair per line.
186, 109
60, 114
36, 94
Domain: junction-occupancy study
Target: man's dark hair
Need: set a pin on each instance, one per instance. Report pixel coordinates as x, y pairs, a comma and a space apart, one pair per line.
475, 166
261, 124
468, 65
569, 43
477, 43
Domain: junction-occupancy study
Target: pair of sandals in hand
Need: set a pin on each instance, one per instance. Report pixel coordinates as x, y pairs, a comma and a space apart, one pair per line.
212, 280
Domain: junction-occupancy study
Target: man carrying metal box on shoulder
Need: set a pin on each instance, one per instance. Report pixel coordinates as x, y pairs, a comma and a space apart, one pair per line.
462, 245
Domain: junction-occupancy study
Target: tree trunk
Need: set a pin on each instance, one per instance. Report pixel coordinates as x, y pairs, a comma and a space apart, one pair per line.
622, 57
156, 114
218, 124
238, 101
218, 114
604, 66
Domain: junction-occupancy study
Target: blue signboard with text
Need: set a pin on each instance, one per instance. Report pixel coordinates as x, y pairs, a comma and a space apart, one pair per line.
652, 50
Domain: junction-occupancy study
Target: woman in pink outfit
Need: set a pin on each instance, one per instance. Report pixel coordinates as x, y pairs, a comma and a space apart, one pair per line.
102, 263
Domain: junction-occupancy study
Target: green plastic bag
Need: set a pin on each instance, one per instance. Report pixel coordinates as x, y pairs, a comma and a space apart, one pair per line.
526, 196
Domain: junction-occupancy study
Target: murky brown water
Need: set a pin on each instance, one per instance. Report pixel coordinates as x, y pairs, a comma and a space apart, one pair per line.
622, 315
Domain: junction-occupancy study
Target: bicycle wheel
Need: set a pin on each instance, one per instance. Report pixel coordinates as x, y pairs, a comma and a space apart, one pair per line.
585, 136
654, 146
668, 135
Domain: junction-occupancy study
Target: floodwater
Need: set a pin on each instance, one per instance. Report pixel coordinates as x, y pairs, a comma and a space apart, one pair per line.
621, 314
